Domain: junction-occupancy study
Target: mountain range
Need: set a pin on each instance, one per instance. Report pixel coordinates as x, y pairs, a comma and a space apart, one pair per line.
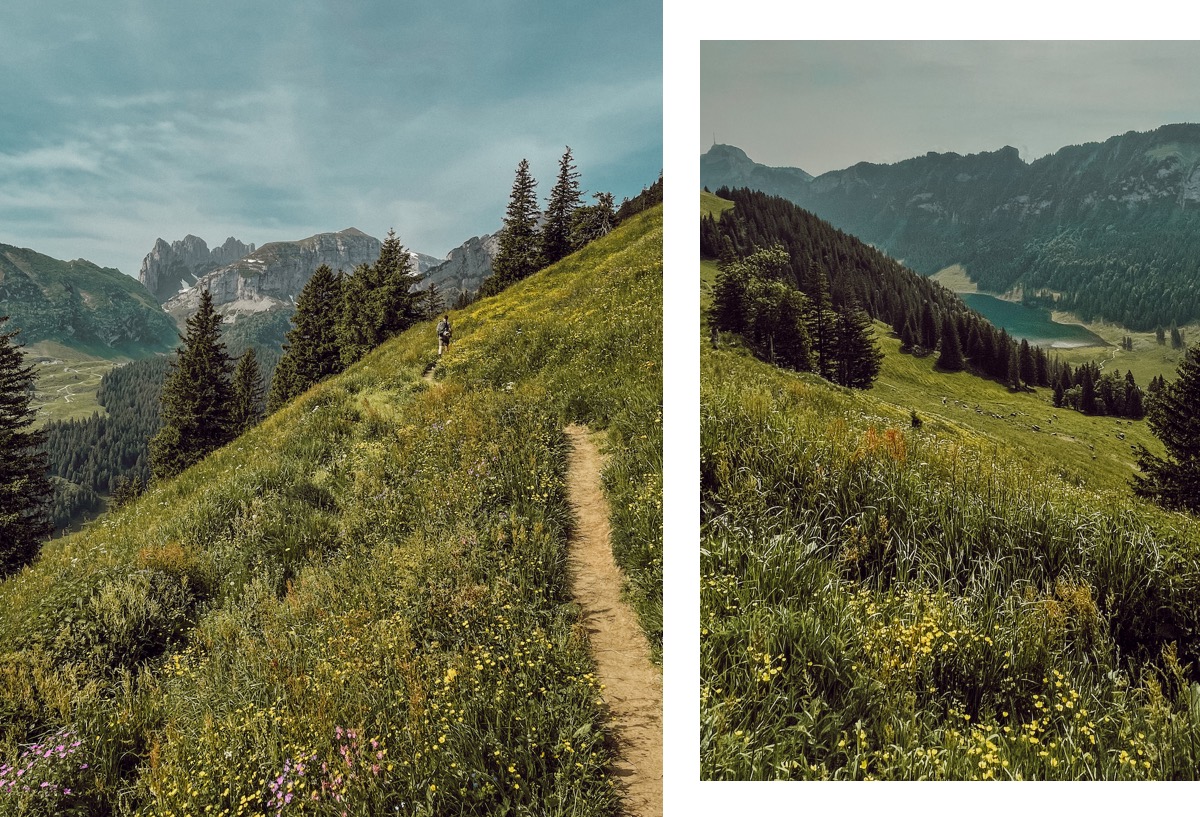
105, 312
1107, 230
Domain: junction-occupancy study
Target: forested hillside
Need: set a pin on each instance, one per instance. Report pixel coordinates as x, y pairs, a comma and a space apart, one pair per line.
770, 249
360, 604
1104, 230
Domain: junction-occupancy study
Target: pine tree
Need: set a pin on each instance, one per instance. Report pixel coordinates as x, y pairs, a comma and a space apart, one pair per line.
195, 397
1026, 367
822, 327
1087, 390
312, 351
565, 199
1173, 481
359, 325
596, 220
858, 359
1160, 335
378, 301
25, 488
520, 252
951, 358
929, 330
395, 295
247, 407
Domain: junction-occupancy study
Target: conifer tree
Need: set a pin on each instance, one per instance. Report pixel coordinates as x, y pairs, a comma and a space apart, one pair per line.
565, 199
312, 351
951, 358
822, 327
378, 301
359, 325
595, 221
520, 252
247, 407
195, 397
1173, 481
1026, 367
858, 358
25, 489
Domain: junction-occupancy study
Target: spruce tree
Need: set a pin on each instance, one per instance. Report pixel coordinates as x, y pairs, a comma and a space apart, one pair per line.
195, 397
1026, 366
565, 199
822, 327
359, 325
395, 294
247, 407
520, 252
595, 221
378, 301
312, 351
25, 488
951, 358
1173, 481
858, 359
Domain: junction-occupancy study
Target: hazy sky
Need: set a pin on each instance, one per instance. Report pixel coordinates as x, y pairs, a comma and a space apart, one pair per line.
129, 120
826, 105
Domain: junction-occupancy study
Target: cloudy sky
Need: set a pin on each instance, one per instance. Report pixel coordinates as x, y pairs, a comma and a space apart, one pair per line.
130, 120
826, 105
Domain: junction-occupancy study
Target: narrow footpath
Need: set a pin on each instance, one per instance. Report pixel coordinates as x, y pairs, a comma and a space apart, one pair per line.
632, 683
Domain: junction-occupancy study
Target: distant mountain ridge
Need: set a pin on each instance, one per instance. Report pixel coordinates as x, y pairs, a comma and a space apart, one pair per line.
171, 268
273, 275
1108, 230
81, 305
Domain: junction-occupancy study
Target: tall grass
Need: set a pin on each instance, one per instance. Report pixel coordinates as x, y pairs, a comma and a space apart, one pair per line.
359, 606
880, 601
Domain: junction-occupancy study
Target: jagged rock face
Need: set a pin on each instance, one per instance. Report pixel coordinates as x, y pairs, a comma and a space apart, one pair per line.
465, 267
170, 268
273, 275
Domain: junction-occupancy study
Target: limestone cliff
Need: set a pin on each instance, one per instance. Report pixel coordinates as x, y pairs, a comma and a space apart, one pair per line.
171, 268
273, 275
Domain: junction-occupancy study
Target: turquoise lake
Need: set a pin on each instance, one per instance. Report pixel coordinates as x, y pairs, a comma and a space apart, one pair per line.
1030, 323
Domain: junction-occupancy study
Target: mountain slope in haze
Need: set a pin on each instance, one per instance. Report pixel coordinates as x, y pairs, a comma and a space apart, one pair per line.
363, 599
1106, 230
80, 305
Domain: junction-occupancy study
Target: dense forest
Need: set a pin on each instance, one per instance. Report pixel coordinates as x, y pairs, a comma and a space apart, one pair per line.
828, 266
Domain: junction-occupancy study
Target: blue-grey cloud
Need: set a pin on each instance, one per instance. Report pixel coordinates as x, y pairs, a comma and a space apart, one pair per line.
277, 119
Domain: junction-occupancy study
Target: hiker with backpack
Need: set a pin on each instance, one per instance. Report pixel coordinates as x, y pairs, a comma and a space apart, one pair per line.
443, 333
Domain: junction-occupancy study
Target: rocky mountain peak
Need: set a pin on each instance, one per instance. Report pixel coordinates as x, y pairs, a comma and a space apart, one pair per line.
169, 268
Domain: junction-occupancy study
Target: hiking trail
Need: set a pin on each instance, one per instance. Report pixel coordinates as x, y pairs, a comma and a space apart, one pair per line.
632, 684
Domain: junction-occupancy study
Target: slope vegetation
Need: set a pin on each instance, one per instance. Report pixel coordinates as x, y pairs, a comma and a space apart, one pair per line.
360, 606
959, 600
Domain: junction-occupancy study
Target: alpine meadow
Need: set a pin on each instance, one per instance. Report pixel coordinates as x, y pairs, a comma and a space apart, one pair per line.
360, 605
945, 575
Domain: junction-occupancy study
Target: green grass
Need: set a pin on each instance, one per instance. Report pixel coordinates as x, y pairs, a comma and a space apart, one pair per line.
970, 599
712, 205
361, 602
67, 381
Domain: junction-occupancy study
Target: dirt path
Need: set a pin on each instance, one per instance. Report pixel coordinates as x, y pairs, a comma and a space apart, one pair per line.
633, 685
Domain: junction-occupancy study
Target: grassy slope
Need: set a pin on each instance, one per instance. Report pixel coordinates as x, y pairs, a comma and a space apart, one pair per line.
968, 599
364, 597
67, 381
